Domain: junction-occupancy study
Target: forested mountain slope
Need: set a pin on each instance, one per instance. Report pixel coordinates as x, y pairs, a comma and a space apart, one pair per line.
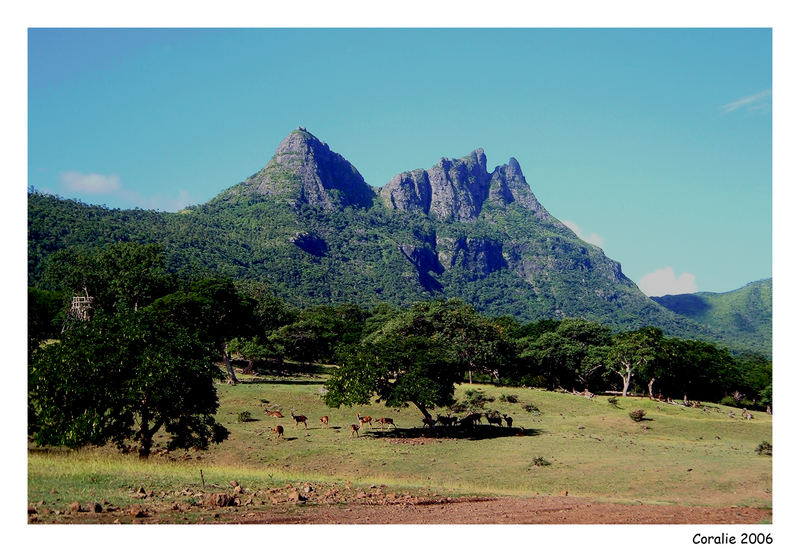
742, 316
309, 226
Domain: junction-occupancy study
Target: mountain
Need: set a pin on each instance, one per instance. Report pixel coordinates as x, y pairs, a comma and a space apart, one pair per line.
311, 227
742, 316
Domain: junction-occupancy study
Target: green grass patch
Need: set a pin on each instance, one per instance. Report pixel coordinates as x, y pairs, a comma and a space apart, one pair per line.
676, 455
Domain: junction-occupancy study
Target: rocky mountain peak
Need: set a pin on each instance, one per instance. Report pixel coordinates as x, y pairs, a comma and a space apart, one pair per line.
306, 171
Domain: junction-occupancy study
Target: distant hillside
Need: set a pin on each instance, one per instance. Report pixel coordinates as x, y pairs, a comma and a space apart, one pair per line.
309, 226
741, 316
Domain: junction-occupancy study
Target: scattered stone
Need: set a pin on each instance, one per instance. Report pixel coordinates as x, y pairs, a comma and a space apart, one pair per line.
137, 511
581, 427
237, 489
308, 488
32, 510
76, 507
564, 493
95, 507
220, 500
234, 483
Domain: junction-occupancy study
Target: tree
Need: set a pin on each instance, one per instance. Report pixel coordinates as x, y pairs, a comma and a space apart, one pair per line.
632, 351
121, 377
417, 357
121, 276
216, 311
317, 331
45, 310
412, 369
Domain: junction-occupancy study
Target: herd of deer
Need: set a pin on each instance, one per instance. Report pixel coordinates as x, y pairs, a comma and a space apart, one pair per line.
468, 421
445, 421
300, 419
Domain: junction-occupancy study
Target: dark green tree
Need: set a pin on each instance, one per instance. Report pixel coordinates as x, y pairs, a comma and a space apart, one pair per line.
418, 356
121, 276
215, 310
125, 377
45, 315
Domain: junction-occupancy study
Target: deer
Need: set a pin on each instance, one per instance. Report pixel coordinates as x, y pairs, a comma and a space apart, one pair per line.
387, 421
494, 419
364, 420
299, 418
278, 431
509, 420
274, 413
324, 421
446, 421
353, 430
746, 415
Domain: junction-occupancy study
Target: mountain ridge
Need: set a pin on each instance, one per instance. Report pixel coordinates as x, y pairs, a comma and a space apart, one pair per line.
743, 314
309, 225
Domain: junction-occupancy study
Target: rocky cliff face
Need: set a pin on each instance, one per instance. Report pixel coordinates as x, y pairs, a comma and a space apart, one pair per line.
457, 189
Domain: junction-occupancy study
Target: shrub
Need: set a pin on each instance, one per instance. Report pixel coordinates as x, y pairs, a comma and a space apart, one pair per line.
540, 461
741, 403
509, 398
530, 408
245, 416
474, 400
613, 401
764, 449
637, 415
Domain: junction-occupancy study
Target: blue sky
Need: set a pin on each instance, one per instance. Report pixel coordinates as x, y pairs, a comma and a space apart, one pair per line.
653, 143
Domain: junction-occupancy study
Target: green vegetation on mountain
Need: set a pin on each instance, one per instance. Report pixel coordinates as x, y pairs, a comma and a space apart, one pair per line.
309, 229
742, 317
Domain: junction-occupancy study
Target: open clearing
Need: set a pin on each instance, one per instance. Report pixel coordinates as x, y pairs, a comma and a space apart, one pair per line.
574, 460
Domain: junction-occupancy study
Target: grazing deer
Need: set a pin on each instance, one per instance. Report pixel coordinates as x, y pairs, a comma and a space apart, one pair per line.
364, 420
509, 420
299, 419
274, 413
428, 421
278, 431
353, 430
494, 419
324, 421
387, 421
746, 415
446, 421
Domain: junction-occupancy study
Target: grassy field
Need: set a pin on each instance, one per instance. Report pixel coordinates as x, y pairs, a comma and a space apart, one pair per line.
676, 455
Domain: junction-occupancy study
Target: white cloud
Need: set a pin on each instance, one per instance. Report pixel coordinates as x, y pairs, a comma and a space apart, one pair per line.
758, 101
111, 186
593, 238
91, 183
663, 282
159, 201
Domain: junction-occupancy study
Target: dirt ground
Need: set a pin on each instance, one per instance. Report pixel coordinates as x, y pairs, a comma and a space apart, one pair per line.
342, 505
540, 510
